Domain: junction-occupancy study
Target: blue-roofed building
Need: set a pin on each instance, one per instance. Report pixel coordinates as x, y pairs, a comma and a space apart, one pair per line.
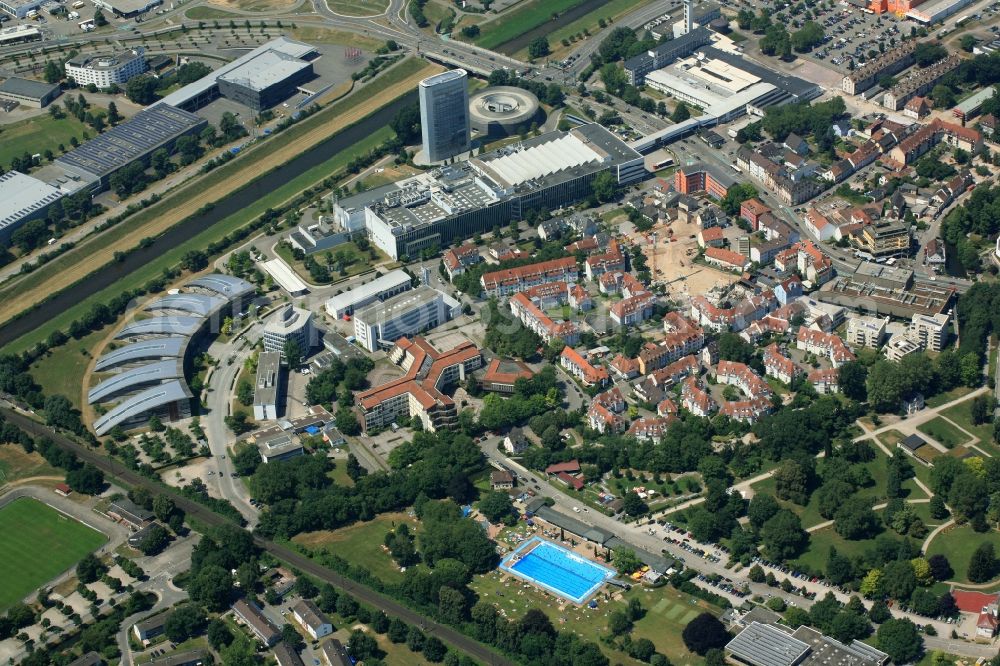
170, 401
198, 304
135, 379
157, 348
186, 326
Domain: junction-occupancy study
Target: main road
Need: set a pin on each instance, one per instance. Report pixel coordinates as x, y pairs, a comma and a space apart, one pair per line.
364, 594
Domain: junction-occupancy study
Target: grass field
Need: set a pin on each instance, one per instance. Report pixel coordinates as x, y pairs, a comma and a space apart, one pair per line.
948, 396
361, 544
39, 543
961, 415
944, 432
958, 544
667, 613
527, 16
61, 370
359, 7
38, 134
99, 250
204, 13
613, 9
320, 35
15, 464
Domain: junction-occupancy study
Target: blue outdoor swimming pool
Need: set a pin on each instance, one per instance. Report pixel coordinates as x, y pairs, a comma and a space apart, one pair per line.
556, 569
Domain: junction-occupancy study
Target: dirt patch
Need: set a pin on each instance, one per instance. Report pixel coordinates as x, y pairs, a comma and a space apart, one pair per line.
196, 469
254, 5
670, 250
190, 197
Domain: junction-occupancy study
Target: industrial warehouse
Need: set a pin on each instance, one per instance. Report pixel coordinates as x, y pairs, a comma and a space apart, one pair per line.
434, 209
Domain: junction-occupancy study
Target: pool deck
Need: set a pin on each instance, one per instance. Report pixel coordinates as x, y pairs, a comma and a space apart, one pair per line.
510, 561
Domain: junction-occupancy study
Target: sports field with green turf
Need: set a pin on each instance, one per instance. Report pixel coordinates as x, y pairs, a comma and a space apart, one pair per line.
38, 544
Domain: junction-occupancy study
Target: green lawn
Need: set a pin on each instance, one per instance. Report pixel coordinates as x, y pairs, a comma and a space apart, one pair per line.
209, 13
39, 543
944, 432
667, 613
818, 551
361, 544
359, 7
948, 396
38, 134
527, 16
61, 369
961, 414
957, 544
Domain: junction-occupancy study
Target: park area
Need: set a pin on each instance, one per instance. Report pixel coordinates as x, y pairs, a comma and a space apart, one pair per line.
16, 464
958, 544
667, 612
526, 16
361, 544
944, 431
39, 543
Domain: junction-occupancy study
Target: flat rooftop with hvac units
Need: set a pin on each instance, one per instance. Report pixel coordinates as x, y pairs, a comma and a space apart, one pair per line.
144, 371
379, 325
450, 203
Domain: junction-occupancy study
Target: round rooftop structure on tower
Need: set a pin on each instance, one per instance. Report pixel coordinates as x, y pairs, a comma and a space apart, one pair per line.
502, 111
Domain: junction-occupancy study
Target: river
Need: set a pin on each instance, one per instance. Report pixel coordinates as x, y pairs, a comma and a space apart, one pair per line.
188, 229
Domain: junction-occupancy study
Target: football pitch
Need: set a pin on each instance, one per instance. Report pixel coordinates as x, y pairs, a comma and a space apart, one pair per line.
38, 544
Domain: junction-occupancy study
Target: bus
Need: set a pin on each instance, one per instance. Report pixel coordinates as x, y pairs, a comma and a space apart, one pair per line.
736, 168
962, 21
663, 164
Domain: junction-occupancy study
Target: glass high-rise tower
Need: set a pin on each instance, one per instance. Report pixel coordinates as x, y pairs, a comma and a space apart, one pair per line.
444, 115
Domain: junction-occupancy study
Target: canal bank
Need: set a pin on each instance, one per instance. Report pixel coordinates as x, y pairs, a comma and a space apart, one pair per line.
108, 276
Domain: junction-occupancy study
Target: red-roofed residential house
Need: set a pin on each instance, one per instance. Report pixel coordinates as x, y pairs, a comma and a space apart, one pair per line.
582, 369
571, 466
778, 365
726, 259
711, 237
829, 345
512, 280
645, 428
825, 380
751, 210
696, 399
457, 259
572, 481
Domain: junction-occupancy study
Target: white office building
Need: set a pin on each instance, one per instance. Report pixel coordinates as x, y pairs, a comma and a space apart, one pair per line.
444, 115
381, 288
379, 325
292, 323
106, 70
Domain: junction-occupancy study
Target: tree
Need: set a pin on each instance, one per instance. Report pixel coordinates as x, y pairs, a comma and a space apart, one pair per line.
219, 635
782, 535
212, 586
899, 579
940, 567
791, 482
604, 186
293, 353
497, 507
87, 480
900, 639
626, 561
855, 519
681, 113
99, 19
879, 612
90, 569
762, 507
943, 96
141, 89
937, 508
155, 540
114, 117
53, 73
851, 378
982, 564
347, 422
186, 621
967, 43
705, 633
539, 47
633, 504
